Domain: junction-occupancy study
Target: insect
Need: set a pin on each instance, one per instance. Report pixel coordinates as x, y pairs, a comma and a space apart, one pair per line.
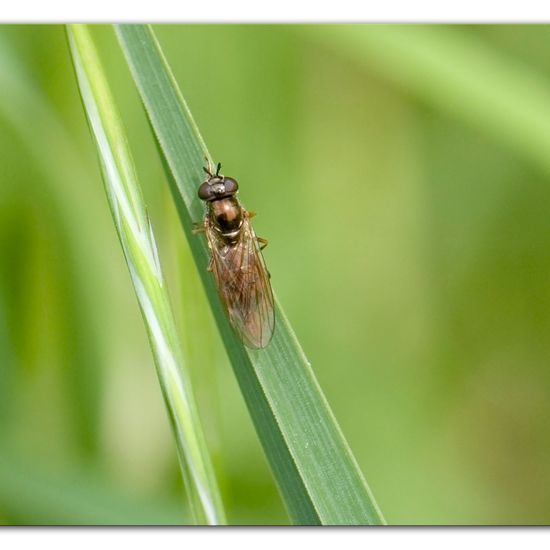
236, 260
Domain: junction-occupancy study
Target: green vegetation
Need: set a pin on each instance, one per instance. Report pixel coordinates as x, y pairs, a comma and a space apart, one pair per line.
140, 250
315, 471
400, 176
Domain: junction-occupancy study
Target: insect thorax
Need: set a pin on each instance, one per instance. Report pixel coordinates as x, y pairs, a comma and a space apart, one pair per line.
227, 217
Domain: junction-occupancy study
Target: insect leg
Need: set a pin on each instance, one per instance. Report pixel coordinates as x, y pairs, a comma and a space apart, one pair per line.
262, 242
198, 227
210, 264
208, 169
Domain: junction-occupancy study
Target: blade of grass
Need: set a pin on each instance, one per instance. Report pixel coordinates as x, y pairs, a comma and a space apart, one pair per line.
138, 243
316, 472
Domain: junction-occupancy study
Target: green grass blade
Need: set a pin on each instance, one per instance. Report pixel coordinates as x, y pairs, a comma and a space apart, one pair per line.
136, 236
315, 470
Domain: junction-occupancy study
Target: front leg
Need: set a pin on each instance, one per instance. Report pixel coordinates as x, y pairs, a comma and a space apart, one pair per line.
198, 227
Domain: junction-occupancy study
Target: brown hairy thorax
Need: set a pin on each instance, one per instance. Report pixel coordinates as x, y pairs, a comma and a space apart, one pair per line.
227, 215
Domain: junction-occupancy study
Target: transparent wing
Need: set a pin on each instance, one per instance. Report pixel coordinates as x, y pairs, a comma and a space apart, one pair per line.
243, 285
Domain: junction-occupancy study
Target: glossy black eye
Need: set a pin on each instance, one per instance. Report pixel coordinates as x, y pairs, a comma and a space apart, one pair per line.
205, 191
231, 185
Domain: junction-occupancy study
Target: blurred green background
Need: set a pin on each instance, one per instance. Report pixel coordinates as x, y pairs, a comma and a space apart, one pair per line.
401, 175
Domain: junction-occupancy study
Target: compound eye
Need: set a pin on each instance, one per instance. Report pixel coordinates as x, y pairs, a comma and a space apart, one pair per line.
231, 185
205, 191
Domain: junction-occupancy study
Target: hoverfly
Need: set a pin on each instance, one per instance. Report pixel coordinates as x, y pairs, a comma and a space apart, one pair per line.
236, 260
